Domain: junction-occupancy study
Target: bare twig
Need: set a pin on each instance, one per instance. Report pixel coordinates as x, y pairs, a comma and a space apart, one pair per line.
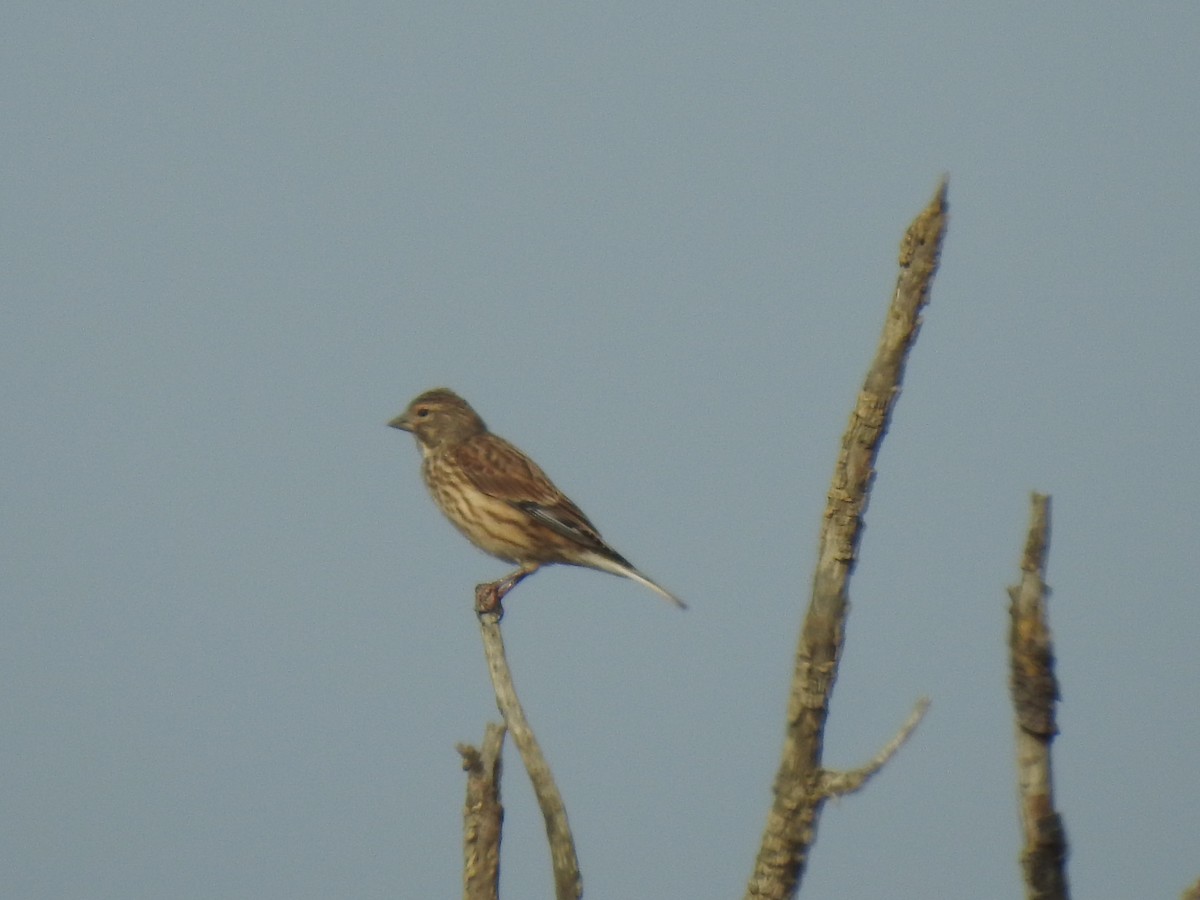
568, 883
1035, 691
838, 784
483, 816
799, 792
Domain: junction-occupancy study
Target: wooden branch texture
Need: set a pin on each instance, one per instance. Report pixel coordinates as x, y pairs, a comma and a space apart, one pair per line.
483, 816
799, 795
568, 883
1034, 693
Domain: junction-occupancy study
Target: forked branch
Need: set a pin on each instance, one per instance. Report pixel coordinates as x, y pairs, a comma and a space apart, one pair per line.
800, 784
568, 883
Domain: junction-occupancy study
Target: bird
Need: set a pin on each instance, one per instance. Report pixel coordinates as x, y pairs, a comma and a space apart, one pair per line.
501, 500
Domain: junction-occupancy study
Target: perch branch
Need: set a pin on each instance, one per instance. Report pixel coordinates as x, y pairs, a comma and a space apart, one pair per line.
792, 821
568, 883
1034, 693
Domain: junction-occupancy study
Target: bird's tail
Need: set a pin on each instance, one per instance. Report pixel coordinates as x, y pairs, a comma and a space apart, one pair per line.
621, 566
657, 588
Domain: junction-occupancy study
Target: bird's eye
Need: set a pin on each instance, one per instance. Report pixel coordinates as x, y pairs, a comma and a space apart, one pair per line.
422, 412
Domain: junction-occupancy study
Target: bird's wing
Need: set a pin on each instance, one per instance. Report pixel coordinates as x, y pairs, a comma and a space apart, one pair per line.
500, 470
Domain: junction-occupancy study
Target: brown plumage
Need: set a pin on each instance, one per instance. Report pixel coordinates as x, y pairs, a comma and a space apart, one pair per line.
498, 497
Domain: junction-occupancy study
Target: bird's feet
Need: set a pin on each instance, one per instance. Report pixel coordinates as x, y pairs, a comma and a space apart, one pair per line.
487, 599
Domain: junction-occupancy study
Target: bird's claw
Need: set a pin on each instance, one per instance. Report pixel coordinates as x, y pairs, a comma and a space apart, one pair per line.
488, 599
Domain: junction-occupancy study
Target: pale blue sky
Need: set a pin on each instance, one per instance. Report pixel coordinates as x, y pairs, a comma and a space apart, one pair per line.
653, 247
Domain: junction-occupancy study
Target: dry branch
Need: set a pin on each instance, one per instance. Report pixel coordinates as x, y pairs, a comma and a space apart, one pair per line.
483, 816
568, 883
839, 783
799, 784
1035, 692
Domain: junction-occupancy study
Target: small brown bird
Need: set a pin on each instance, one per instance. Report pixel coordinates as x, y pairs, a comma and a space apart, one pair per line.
499, 498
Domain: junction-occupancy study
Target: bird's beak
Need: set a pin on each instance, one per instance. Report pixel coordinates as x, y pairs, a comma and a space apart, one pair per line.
401, 422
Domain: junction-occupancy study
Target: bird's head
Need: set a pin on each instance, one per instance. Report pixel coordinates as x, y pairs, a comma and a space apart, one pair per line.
439, 418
